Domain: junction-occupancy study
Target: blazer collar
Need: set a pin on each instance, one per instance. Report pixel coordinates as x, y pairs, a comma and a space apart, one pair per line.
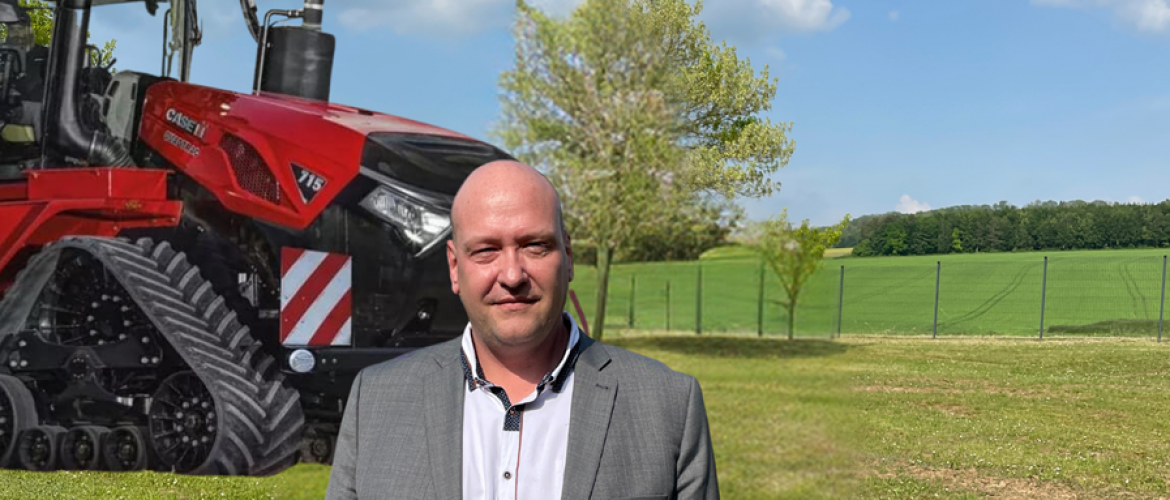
443, 398
593, 397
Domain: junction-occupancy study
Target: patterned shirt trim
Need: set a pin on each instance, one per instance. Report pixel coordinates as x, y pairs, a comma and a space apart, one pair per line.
556, 377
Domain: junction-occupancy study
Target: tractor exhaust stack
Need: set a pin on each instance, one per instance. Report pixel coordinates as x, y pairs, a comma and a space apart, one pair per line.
297, 60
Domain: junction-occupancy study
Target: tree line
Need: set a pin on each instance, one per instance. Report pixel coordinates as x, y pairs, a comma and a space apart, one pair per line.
1048, 225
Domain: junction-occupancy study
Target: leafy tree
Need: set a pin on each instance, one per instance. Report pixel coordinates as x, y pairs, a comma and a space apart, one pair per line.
793, 254
635, 114
957, 240
896, 239
42, 26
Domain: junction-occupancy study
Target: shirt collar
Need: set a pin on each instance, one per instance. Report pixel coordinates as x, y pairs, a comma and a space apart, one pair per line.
473, 372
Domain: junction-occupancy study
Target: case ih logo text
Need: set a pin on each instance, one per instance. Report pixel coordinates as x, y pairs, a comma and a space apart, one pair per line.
186, 123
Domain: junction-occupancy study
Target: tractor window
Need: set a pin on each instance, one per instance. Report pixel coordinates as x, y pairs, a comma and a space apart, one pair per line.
433, 163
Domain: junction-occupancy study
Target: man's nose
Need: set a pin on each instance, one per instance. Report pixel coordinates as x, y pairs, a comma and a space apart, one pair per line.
512, 275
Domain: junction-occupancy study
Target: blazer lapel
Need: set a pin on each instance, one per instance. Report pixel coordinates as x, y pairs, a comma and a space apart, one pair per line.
444, 424
593, 397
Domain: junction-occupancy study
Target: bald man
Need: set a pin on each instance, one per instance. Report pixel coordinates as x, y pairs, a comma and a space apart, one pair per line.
522, 405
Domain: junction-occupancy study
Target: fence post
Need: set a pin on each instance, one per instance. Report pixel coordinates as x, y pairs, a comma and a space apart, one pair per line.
668, 305
937, 275
699, 302
840, 299
760, 304
1162, 300
1043, 295
633, 297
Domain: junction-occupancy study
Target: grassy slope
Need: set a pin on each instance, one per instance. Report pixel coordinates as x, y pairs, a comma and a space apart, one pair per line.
979, 294
859, 418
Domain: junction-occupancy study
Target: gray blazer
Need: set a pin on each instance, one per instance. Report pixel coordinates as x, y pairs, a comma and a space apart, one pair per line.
637, 430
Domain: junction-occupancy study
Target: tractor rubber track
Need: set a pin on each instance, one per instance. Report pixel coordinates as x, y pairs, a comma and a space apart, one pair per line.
262, 420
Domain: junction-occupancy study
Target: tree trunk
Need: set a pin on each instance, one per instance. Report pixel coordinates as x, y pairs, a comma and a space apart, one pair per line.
791, 317
604, 255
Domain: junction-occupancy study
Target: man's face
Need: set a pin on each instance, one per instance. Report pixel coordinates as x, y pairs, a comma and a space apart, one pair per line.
509, 265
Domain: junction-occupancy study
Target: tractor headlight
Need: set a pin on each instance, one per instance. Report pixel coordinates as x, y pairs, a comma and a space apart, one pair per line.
421, 223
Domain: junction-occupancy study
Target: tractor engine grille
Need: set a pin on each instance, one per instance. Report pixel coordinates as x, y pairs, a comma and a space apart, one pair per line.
251, 172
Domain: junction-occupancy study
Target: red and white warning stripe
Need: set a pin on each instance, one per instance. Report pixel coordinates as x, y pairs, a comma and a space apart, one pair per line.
314, 297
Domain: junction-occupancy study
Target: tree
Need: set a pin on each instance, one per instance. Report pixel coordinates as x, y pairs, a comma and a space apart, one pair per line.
42, 26
635, 114
793, 254
896, 239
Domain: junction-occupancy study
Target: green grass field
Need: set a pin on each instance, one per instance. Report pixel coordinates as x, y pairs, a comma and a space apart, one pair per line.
1110, 292
877, 418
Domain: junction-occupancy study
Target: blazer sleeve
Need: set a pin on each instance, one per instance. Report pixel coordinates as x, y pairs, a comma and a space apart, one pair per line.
343, 478
696, 460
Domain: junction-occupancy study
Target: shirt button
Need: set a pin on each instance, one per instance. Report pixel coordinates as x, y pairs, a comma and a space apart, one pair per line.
512, 411
507, 475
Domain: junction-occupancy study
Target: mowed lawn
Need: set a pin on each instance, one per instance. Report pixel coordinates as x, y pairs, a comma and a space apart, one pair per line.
1103, 292
877, 418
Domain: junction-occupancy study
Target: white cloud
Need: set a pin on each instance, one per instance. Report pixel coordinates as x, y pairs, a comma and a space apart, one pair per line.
894, 15
1136, 200
1145, 15
804, 15
441, 18
752, 20
908, 205
776, 53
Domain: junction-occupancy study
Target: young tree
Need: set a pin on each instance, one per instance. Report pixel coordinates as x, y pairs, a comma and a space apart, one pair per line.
634, 113
957, 240
794, 254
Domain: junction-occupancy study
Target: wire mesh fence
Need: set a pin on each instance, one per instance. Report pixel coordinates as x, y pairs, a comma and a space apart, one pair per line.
1073, 295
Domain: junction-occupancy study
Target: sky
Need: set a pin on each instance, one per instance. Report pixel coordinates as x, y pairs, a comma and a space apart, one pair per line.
895, 105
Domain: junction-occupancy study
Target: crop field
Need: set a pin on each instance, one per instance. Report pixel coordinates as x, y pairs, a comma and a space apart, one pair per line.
1086, 293
853, 418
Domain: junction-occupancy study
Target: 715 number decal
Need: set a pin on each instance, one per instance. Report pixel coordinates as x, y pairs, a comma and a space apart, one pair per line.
308, 183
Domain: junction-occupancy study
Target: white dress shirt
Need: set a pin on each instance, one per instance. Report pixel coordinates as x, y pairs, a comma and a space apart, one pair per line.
516, 450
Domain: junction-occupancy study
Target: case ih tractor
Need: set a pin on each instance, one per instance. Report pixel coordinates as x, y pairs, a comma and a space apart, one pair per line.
190, 277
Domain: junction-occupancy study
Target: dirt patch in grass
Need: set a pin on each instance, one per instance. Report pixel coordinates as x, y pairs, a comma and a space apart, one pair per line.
973, 388
1005, 488
914, 390
953, 410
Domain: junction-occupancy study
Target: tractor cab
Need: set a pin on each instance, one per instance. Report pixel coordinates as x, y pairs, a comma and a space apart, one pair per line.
21, 84
61, 106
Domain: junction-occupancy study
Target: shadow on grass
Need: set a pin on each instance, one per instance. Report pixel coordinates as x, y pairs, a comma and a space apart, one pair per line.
1110, 327
723, 347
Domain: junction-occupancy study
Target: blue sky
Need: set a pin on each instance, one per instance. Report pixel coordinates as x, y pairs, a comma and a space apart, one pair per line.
897, 105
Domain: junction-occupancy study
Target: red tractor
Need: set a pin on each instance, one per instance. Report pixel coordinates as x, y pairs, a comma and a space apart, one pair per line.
190, 277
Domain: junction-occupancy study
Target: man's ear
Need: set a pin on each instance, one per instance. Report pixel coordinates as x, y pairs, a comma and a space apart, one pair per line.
452, 261
569, 252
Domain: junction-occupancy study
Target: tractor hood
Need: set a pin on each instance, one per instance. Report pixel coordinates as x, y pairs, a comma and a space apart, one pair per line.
264, 147
358, 120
